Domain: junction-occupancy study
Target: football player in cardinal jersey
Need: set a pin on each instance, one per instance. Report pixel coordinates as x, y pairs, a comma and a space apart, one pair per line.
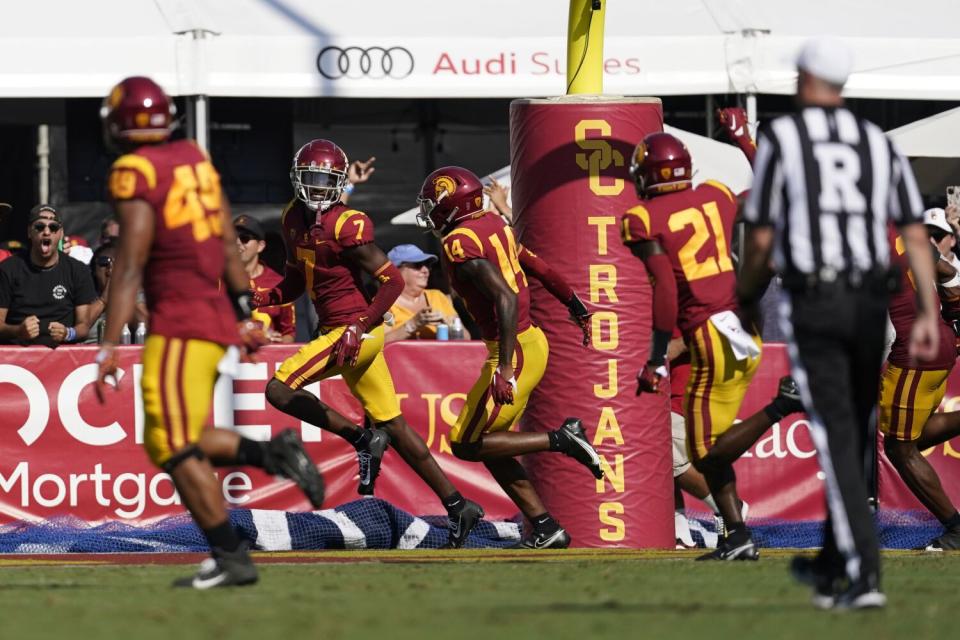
681, 234
911, 390
488, 268
329, 248
178, 240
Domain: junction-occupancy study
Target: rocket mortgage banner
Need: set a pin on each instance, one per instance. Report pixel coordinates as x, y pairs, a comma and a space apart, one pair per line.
65, 454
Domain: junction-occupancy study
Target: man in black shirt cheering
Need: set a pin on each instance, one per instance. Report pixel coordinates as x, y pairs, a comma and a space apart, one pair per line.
45, 295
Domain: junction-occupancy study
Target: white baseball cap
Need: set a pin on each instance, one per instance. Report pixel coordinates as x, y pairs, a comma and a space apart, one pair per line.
826, 58
937, 217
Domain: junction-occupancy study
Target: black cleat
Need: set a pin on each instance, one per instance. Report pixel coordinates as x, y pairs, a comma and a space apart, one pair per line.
949, 540
863, 593
822, 580
224, 569
788, 396
727, 549
286, 457
579, 447
460, 525
559, 539
369, 458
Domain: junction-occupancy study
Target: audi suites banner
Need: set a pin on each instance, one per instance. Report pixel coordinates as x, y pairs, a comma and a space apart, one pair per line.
464, 66
64, 454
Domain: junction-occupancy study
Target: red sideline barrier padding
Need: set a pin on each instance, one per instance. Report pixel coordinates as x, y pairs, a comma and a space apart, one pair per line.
570, 160
63, 454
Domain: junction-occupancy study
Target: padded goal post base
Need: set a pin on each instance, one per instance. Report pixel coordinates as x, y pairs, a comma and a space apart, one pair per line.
570, 158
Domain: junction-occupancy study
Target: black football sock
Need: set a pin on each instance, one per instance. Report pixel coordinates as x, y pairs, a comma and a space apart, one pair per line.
953, 522
251, 453
454, 503
558, 441
544, 523
738, 534
223, 536
361, 439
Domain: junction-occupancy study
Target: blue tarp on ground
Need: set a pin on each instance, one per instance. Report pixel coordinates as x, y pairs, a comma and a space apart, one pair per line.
375, 524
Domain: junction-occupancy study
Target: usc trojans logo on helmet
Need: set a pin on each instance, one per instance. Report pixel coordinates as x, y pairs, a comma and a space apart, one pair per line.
639, 153
443, 186
115, 96
448, 195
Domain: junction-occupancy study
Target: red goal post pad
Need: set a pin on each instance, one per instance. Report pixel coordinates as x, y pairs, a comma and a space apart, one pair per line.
570, 159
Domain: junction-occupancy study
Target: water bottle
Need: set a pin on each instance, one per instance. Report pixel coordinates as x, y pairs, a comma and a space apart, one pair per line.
141, 335
125, 335
443, 332
456, 329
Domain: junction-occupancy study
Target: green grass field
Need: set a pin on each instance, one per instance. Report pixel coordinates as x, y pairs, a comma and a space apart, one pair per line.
489, 595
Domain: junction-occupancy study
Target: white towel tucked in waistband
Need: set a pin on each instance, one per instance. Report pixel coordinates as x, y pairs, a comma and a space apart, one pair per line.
741, 342
230, 362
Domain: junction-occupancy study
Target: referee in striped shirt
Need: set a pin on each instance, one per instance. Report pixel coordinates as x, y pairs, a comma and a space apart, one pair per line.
827, 183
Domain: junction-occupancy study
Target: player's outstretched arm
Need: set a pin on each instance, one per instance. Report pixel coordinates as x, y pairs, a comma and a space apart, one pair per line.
558, 287
734, 123
664, 311
488, 280
374, 261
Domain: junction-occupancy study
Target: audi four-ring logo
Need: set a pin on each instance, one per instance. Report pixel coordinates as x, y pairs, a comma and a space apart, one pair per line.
375, 63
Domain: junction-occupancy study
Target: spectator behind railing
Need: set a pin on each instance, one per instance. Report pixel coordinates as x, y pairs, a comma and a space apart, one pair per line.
109, 231
952, 213
101, 266
45, 295
418, 311
278, 321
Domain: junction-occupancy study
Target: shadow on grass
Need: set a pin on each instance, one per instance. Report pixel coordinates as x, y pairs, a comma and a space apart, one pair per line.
653, 607
47, 586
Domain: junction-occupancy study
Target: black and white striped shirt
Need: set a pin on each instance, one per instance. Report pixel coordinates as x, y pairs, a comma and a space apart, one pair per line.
829, 182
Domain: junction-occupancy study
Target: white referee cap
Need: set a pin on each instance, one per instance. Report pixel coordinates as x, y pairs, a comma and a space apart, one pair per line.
826, 58
937, 217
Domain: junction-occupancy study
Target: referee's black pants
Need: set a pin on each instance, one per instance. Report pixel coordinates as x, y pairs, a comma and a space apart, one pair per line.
836, 337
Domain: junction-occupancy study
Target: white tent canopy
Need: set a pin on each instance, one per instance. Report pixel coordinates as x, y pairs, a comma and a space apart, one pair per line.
931, 144
935, 137
712, 160
63, 48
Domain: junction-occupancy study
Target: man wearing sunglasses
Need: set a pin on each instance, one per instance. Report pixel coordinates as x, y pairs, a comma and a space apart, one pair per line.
45, 295
278, 321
